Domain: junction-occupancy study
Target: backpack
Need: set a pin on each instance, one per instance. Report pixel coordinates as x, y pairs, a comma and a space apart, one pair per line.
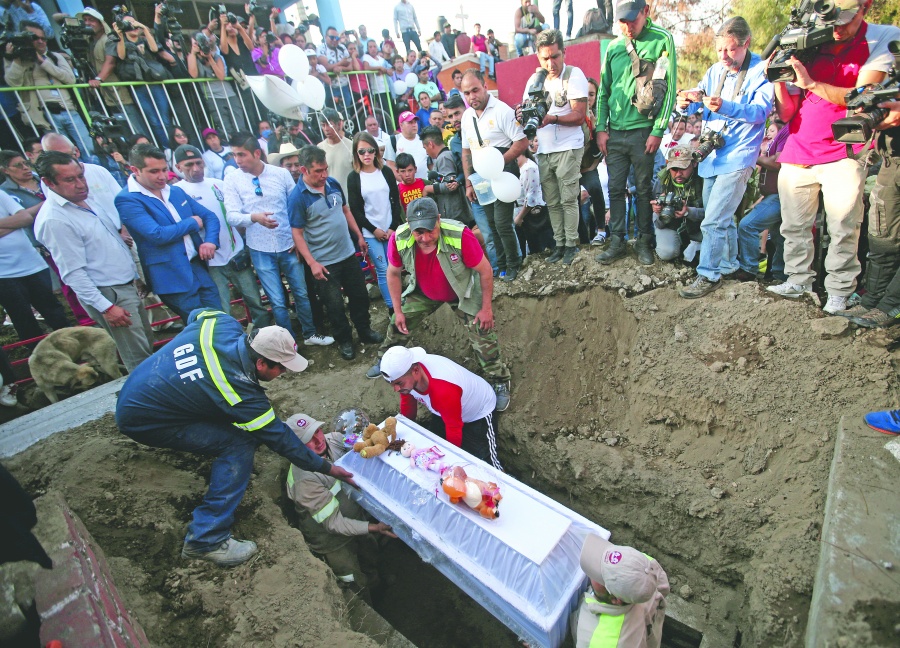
594, 23
649, 93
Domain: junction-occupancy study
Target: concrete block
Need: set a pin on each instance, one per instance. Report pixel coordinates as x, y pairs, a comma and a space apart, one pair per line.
12, 620
856, 594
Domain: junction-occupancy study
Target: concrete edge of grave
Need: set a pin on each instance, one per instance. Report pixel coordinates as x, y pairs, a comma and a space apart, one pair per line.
696, 617
364, 619
858, 577
23, 432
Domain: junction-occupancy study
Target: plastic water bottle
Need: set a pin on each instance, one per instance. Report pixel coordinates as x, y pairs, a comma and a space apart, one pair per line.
662, 66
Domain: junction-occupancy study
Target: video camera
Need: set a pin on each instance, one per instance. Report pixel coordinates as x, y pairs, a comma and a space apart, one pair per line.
535, 107
114, 130
203, 43
120, 12
261, 10
811, 26
858, 129
434, 176
167, 12
78, 38
670, 203
709, 141
23, 45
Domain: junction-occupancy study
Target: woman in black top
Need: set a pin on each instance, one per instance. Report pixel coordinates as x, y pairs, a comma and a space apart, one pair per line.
375, 204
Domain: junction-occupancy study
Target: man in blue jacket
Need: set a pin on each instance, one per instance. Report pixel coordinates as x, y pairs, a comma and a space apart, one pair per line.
165, 223
201, 393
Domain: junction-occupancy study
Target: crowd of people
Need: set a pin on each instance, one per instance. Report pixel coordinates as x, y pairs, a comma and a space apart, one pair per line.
727, 176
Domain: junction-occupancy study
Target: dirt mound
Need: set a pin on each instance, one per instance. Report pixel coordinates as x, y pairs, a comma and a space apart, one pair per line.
700, 431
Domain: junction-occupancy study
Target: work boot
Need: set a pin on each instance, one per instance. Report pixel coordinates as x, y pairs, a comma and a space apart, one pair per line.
616, 250
875, 318
643, 251
370, 337
374, 371
740, 275
346, 349
569, 254
701, 286
502, 391
557, 254
228, 554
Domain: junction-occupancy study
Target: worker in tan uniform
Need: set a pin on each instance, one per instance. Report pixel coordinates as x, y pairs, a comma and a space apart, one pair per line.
333, 525
625, 605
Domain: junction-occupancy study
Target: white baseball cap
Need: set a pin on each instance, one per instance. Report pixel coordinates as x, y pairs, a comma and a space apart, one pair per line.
277, 344
398, 360
303, 426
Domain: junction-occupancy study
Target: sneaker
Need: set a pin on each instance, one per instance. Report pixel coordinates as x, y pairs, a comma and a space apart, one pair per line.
511, 275
701, 286
370, 337
569, 254
616, 250
857, 310
502, 391
502, 274
319, 340
374, 371
8, 395
346, 349
886, 422
600, 239
557, 255
875, 318
836, 304
643, 251
789, 290
228, 554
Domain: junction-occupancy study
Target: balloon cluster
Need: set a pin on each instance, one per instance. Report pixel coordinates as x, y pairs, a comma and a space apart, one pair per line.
402, 85
488, 163
286, 100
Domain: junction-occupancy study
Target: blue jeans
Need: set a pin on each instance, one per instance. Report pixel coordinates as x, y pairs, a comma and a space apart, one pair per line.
159, 97
523, 40
557, 5
484, 226
765, 216
269, 268
486, 58
719, 249
378, 257
72, 126
233, 450
203, 294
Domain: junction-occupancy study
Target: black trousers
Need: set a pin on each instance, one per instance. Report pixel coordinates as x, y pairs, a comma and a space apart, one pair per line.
345, 278
19, 294
479, 438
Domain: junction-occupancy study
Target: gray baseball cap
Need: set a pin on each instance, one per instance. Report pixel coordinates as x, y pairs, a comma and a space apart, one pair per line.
422, 214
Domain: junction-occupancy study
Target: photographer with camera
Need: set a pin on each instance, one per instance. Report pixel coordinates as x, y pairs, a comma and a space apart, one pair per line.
678, 210
632, 115
28, 63
554, 109
134, 49
737, 100
448, 192
813, 161
205, 62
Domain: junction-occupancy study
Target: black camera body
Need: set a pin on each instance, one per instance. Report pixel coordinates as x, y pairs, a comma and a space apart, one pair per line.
709, 141
811, 26
535, 107
203, 44
858, 128
119, 14
434, 176
78, 38
261, 10
23, 45
114, 130
670, 203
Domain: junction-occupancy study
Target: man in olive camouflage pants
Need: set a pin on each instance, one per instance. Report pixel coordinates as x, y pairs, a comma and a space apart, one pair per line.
446, 265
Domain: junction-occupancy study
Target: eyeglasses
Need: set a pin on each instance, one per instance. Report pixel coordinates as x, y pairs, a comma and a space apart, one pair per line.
21, 165
334, 38
366, 151
256, 188
39, 38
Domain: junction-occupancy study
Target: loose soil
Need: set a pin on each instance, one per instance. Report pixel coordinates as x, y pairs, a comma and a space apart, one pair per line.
699, 431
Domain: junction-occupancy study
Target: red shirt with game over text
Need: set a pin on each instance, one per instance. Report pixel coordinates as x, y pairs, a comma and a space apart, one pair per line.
410, 192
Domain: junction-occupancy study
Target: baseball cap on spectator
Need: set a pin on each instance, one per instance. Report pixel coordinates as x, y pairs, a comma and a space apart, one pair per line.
303, 426
210, 131
187, 152
629, 9
424, 66
311, 51
422, 214
406, 116
625, 572
330, 115
398, 360
93, 13
277, 344
849, 9
679, 157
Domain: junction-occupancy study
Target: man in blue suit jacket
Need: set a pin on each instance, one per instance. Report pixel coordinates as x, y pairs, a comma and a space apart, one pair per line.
165, 223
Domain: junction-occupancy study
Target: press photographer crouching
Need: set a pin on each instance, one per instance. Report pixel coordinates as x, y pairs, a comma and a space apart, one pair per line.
678, 210
28, 63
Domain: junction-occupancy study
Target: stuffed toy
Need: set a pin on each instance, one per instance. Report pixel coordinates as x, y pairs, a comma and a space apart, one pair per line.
480, 495
375, 440
429, 459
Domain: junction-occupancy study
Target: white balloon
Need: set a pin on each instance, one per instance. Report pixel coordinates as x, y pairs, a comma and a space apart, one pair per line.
506, 187
293, 61
300, 89
400, 87
314, 93
411, 80
276, 95
488, 162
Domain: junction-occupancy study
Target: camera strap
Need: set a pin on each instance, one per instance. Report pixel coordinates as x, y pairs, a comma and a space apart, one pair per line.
742, 75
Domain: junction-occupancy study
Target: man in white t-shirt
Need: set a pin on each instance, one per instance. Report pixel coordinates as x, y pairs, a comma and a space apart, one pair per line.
218, 157
560, 141
373, 128
231, 262
407, 141
490, 122
376, 62
338, 149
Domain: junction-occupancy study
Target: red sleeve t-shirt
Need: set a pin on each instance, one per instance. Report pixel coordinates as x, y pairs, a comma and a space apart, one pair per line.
430, 276
410, 192
445, 399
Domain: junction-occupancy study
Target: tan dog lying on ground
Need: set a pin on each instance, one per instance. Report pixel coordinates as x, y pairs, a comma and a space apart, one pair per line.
54, 362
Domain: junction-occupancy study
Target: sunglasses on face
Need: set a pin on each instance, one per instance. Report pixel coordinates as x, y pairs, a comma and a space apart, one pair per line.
366, 151
256, 188
334, 38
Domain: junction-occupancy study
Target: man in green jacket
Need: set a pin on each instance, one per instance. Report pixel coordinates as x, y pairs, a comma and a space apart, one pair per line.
629, 130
